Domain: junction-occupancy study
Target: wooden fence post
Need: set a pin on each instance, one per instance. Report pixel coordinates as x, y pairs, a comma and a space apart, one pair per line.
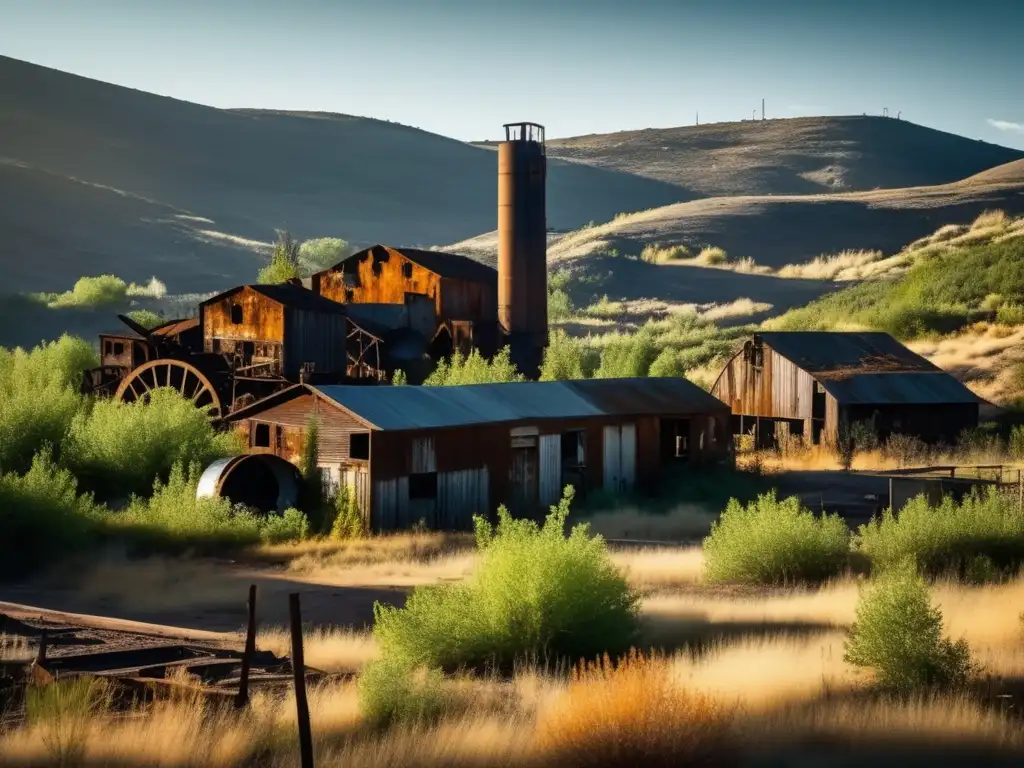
250, 648
1020, 493
299, 676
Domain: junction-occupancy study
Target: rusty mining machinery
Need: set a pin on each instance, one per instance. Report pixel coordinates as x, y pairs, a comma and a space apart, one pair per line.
134, 363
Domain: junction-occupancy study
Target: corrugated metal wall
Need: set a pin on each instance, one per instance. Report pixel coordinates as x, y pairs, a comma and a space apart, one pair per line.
315, 337
550, 469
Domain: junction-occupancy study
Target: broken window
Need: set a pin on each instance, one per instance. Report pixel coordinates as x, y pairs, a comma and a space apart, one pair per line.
261, 436
407, 270
349, 295
108, 348
377, 268
236, 314
423, 485
118, 348
359, 446
675, 439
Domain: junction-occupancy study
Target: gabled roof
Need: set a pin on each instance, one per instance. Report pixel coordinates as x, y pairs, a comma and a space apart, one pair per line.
294, 296
450, 265
937, 388
401, 408
840, 353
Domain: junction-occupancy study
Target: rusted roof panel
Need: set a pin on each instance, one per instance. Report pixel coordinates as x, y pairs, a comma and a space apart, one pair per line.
174, 327
403, 408
294, 296
936, 388
843, 354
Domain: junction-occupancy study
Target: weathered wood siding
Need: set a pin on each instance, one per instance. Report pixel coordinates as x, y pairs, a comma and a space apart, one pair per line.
468, 300
262, 319
779, 390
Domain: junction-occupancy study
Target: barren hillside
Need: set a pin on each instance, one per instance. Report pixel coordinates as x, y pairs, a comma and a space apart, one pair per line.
797, 156
773, 231
100, 178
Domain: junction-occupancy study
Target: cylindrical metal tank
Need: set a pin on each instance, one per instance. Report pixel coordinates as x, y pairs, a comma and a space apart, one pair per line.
522, 245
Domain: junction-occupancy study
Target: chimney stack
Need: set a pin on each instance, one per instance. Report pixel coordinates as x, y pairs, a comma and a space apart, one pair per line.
522, 245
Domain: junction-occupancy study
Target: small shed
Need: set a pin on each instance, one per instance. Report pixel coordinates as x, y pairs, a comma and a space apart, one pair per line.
443, 454
810, 383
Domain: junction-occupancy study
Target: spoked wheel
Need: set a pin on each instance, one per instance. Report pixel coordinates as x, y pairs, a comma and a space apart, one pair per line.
183, 377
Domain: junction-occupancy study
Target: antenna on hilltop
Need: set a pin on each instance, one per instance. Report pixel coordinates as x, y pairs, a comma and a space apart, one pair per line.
762, 110
885, 111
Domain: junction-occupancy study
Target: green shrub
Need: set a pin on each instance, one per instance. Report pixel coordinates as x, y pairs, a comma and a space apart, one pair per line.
348, 520
771, 542
146, 318
39, 397
118, 449
559, 305
90, 292
293, 525
898, 633
566, 358
284, 261
391, 691
628, 356
42, 515
946, 539
536, 593
322, 253
1015, 445
173, 517
474, 369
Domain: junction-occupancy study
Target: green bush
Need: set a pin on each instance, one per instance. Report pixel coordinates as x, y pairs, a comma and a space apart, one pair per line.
772, 542
42, 515
474, 369
322, 253
535, 594
948, 538
348, 520
118, 449
898, 633
39, 397
566, 358
89, 292
1015, 445
391, 691
146, 318
173, 517
628, 356
293, 525
284, 261
559, 305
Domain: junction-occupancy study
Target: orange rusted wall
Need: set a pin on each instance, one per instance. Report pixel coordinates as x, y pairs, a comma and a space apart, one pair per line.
262, 319
387, 285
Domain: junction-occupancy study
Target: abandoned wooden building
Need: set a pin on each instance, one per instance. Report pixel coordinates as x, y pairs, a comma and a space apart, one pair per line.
282, 331
811, 383
443, 454
464, 292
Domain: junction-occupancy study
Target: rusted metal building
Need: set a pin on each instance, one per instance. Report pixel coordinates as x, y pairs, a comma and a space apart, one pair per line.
281, 330
810, 383
464, 291
443, 454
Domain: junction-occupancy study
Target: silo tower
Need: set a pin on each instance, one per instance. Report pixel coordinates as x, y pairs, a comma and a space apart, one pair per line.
522, 245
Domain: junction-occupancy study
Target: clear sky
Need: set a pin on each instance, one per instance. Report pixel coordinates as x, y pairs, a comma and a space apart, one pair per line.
464, 67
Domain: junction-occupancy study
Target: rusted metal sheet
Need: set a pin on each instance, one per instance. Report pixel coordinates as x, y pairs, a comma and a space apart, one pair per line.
242, 315
460, 495
390, 505
423, 457
900, 388
316, 338
522, 243
839, 352
550, 469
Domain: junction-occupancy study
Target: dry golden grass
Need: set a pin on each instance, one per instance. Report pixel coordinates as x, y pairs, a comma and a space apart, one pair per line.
846, 265
712, 256
373, 549
742, 307
330, 649
630, 713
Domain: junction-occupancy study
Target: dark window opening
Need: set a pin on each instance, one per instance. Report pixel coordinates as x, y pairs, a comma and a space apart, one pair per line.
349, 295
118, 348
236, 314
359, 446
573, 448
261, 436
675, 439
108, 348
407, 270
377, 268
423, 485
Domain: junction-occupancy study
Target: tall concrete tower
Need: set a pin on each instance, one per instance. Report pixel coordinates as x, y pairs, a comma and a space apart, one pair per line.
522, 245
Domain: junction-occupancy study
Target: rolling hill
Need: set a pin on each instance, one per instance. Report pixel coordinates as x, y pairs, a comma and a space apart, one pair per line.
798, 156
99, 178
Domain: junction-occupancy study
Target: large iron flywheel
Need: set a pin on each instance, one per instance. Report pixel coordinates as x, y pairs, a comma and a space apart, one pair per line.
183, 377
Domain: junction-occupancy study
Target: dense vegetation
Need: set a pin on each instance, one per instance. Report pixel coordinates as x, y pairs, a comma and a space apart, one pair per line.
943, 290
61, 453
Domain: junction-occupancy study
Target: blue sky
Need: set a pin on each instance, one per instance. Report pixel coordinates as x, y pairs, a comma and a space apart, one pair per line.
464, 67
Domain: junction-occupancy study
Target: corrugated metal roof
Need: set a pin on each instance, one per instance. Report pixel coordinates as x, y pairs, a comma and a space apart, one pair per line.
842, 354
451, 265
401, 408
937, 388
